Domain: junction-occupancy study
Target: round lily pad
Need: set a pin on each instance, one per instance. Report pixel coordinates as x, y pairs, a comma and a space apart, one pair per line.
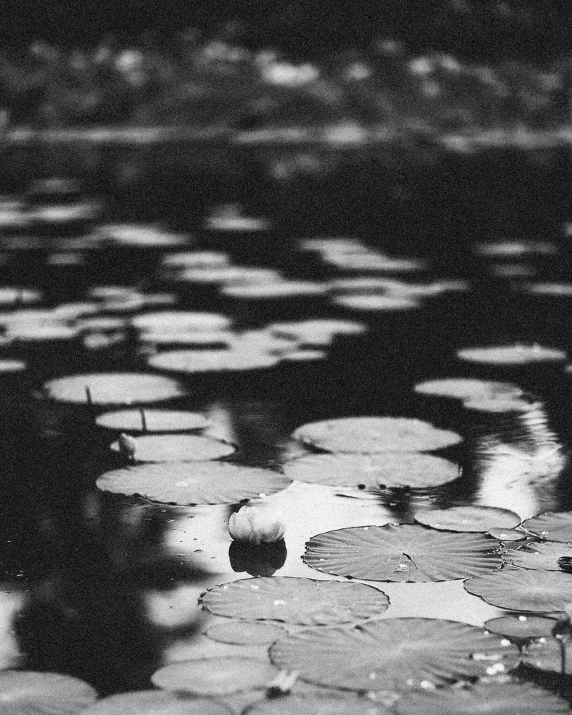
493, 699
538, 555
8, 366
511, 354
404, 552
521, 627
156, 702
551, 526
189, 362
376, 302
181, 320
272, 291
121, 388
193, 482
467, 518
408, 469
322, 704
195, 259
135, 421
496, 404
545, 655
42, 333
245, 633
24, 692
465, 388
177, 448
204, 339
214, 676
396, 654
368, 435
524, 589
141, 235
227, 275
507, 534
10, 296
560, 290
303, 601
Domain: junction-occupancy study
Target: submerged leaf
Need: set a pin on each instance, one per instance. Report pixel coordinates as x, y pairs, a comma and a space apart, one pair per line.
295, 600
402, 552
394, 654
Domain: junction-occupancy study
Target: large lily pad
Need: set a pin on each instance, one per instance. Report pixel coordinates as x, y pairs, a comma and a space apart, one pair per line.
493, 699
402, 552
303, 601
214, 676
521, 628
467, 518
156, 702
376, 303
113, 388
27, 692
373, 470
511, 354
543, 555
181, 320
551, 526
397, 654
135, 421
466, 388
193, 482
192, 362
368, 435
177, 448
524, 590
322, 704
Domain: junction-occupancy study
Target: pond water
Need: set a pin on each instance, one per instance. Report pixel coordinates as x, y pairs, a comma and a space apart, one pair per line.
106, 587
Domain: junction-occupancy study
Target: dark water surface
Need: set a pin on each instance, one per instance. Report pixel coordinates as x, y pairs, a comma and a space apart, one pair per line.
105, 587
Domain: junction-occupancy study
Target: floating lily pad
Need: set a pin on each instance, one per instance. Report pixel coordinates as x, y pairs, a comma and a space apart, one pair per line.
42, 333
319, 331
204, 339
180, 320
546, 655
538, 555
295, 600
121, 388
25, 692
521, 627
524, 590
499, 404
229, 275
195, 259
135, 421
404, 552
8, 366
189, 362
493, 699
373, 470
507, 534
551, 526
322, 704
304, 356
464, 388
245, 633
467, 518
141, 236
15, 295
272, 291
375, 302
510, 249
193, 482
156, 702
511, 354
396, 654
214, 676
177, 448
559, 290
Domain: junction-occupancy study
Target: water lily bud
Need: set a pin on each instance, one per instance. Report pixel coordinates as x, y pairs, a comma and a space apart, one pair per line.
127, 445
255, 525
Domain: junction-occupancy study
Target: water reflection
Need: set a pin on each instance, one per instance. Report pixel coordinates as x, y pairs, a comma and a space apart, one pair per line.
257, 560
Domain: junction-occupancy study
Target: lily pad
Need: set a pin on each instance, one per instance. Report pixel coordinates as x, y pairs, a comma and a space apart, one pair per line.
397, 654
25, 692
193, 482
161, 448
113, 388
369, 435
511, 354
180, 320
524, 590
16, 295
8, 366
546, 655
499, 404
507, 534
404, 552
322, 704
135, 421
214, 676
245, 633
373, 470
376, 302
538, 555
303, 601
494, 699
521, 627
551, 526
467, 518
270, 291
465, 388
189, 362
156, 702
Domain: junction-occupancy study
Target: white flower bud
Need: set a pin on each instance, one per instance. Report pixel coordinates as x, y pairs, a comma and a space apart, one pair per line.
127, 445
255, 525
